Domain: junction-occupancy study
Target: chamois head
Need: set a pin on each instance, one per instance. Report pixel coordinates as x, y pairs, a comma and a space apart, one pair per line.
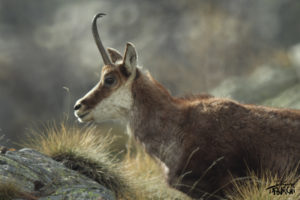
111, 98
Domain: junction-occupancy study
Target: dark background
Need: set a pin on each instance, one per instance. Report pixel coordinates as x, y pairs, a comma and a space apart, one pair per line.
246, 50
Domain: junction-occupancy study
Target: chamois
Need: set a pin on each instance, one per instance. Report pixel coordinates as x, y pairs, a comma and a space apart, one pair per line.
203, 141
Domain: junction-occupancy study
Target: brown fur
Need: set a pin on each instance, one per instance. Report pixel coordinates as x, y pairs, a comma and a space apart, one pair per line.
190, 134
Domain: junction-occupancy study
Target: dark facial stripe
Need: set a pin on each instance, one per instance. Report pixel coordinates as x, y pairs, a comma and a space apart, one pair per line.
96, 96
124, 71
101, 92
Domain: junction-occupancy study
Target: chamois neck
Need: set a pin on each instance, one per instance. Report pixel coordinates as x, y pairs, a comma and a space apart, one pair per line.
155, 118
147, 92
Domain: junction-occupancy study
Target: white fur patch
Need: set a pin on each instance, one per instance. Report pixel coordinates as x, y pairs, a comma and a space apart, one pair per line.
119, 62
116, 106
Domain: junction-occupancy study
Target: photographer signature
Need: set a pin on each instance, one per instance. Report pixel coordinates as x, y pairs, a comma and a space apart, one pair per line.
282, 188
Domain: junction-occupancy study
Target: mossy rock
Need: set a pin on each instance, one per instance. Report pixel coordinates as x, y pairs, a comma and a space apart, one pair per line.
32, 175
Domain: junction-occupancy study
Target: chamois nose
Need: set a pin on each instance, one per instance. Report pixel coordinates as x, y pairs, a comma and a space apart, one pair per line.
77, 106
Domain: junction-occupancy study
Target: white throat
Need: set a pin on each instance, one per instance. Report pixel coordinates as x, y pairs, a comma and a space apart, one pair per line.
116, 106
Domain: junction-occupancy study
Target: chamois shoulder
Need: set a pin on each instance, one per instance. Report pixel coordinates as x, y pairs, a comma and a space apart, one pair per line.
195, 97
209, 102
222, 106
232, 108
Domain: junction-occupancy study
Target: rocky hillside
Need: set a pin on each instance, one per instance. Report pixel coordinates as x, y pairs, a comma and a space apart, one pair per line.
271, 85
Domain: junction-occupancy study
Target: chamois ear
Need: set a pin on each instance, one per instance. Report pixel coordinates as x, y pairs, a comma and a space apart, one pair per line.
114, 54
130, 58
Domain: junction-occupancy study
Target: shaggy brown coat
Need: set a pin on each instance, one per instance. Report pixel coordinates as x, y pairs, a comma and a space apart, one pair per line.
206, 141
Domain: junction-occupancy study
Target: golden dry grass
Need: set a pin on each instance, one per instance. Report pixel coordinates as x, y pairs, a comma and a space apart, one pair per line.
53, 139
148, 176
256, 188
136, 175
85, 149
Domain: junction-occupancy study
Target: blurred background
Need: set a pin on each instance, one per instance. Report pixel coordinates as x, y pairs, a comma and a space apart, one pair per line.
240, 49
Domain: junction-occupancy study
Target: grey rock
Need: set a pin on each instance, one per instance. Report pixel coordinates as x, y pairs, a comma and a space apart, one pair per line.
268, 85
289, 98
38, 174
265, 83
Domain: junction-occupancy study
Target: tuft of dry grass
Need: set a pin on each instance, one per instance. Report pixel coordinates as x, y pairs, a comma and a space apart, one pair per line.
55, 139
136, 176
148, 175
255, 188
9, 191
82, 149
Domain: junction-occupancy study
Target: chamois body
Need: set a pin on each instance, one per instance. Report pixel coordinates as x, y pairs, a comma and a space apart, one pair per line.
189, 134
203, 141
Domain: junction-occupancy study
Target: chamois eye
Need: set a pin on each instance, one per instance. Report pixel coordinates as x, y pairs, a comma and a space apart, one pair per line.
109, 81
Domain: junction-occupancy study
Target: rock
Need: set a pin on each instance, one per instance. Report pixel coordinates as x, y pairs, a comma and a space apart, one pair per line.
41, 176
294, 56
266, 83
289, 98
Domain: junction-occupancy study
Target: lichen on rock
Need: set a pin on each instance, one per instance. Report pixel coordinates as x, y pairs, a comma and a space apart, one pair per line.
41, 177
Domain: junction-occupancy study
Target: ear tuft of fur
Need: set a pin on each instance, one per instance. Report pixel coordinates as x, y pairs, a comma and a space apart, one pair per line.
115, 55
130, 58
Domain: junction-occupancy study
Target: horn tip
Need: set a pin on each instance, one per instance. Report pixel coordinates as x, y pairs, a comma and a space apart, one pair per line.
99, 15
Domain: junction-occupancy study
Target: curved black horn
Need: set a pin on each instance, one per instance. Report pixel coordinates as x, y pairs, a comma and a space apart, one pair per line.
104, 55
